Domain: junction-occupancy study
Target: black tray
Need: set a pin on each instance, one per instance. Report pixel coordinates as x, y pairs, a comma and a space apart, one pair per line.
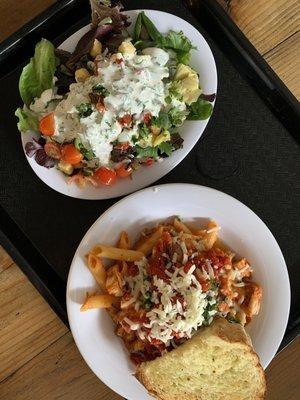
245, 151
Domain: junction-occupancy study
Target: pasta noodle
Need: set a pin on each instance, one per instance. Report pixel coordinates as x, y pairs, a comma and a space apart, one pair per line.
147, 246
115, 253
96, 267
98, 301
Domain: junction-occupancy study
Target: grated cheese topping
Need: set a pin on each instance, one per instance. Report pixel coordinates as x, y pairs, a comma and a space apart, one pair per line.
177, 305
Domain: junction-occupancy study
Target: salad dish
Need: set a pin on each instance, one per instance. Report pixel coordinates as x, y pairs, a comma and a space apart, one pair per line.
176, 280
115, 103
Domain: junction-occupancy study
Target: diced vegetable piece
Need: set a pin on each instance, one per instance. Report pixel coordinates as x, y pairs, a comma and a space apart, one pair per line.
105, 176
162, 137
127, 48
65, 167
53, 150
124, 171
96, 48
81, 74
70, 154
47, 125
183, 71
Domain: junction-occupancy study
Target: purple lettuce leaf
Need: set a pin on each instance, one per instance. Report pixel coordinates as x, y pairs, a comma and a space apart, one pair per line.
109, 34
208, 97
36, 149
43, 159
31, 148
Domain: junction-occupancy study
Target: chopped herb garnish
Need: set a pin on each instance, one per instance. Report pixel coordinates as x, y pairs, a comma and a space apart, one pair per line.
233, 320
88, 154
214, 285
84, 110
100, 89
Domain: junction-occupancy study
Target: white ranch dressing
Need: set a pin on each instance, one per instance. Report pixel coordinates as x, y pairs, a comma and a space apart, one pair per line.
135, 87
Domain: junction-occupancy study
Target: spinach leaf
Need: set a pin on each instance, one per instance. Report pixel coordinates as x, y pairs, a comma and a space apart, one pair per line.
37, 76
84, 110
200, 110
27, 120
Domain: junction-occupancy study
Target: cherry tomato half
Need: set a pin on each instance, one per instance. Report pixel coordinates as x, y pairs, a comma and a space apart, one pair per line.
124, 170
53, 150
147, 118
126, 120
105, 176
47, 125
70, 154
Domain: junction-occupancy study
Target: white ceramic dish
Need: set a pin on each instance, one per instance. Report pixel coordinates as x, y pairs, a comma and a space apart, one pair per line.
241, 229
203, 62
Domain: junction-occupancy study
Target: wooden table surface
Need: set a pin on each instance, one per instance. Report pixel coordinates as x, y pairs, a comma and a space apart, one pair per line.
38, 357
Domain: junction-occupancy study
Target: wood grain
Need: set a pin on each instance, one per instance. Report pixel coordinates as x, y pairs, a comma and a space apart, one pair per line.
266, 23
27, 324
287, 54
5, 260
58, 372
14, 14
283, 374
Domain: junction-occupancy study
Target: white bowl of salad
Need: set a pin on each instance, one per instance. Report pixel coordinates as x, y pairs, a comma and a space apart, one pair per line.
118, 105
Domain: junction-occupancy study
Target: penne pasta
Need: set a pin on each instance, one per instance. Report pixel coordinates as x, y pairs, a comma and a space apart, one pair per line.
199, 232
114, 281
124, 242
115, 253
98, 301
180, 226
211, 235
147, 246
96, 267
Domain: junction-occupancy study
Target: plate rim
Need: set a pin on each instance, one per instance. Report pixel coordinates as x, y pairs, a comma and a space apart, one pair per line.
80, 195
180, 185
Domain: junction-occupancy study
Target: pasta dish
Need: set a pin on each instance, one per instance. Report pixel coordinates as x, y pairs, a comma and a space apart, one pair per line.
174, 280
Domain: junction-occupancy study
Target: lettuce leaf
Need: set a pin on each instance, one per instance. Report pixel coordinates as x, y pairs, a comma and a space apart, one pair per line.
177, 42
200, 110
27, 120
146, 152
37, 76
166, 149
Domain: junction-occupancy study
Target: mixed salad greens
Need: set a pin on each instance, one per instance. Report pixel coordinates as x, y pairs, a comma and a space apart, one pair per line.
113, 104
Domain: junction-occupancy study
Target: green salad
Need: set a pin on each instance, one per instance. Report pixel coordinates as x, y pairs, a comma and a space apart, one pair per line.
115, 103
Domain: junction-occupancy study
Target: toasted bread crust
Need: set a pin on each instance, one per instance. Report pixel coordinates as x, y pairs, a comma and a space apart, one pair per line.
223, 331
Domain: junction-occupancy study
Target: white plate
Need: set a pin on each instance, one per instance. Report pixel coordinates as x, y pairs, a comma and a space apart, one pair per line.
241, 229
203, 62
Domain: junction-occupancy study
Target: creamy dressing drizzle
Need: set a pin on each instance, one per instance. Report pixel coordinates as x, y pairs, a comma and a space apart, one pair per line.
135, 87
